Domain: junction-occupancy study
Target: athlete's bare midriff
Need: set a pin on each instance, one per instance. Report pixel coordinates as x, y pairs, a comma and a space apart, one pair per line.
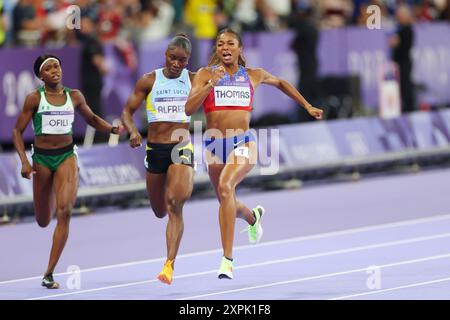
230, 120
165, 132
51, 141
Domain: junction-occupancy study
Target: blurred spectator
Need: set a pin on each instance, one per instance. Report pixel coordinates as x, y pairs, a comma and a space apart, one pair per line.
56, 19
249, 15
387, 22
40, 22
277, 14
27, 26
157, 20
120, 24
88, 8
362, 15
2, 25
359, 11
130, 11
178, 7
109, 20
335, 13
224, 14
200, 16
305, 46
445, 13
387, 19
401, 44
391, 5
93, 65
427, 11
41, 7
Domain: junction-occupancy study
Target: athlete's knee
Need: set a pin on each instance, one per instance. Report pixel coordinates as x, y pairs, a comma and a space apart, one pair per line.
174, 203
43, 222
225, 189
63, 213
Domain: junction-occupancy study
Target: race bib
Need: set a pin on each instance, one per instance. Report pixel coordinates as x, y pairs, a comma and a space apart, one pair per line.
233, 96
242, 152
57, 122
170, 109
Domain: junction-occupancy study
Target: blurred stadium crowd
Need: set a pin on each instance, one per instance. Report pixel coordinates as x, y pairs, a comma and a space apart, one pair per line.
43, 22
118, 40
127, 25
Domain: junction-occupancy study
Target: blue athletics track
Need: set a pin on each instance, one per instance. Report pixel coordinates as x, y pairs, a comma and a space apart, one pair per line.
377, 238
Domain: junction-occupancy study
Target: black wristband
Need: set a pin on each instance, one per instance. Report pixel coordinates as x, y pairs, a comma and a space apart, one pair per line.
114, 130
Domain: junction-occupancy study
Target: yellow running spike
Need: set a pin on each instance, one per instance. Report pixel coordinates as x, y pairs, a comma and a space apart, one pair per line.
165, 276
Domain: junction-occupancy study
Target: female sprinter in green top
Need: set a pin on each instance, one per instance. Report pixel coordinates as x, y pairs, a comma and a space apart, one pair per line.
169, 160
55, 172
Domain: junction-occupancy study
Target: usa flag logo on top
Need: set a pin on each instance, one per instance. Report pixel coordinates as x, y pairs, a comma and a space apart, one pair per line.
240, 78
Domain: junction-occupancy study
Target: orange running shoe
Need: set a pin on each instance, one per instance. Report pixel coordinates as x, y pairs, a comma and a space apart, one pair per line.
165, 276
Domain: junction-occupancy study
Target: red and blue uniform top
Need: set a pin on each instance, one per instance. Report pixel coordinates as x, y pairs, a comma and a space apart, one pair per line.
233, 92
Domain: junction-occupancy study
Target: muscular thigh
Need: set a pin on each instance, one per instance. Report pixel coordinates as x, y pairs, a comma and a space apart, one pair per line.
239, 164
179, 181
66, 182
156, 183
214, 171
43, 194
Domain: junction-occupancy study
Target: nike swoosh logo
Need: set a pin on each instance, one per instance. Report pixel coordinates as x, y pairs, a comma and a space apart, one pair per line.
237, 143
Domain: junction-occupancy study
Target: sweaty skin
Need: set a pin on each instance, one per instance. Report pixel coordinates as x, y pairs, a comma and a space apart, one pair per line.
226, 177
167, 195
54, 192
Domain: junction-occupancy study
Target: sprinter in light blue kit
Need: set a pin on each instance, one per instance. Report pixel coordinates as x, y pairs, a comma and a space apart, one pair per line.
166, 100
169, 158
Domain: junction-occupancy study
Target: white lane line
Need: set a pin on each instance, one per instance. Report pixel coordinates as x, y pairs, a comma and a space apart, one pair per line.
412, 285
120, 285
264, 244
265, 263
328, 275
